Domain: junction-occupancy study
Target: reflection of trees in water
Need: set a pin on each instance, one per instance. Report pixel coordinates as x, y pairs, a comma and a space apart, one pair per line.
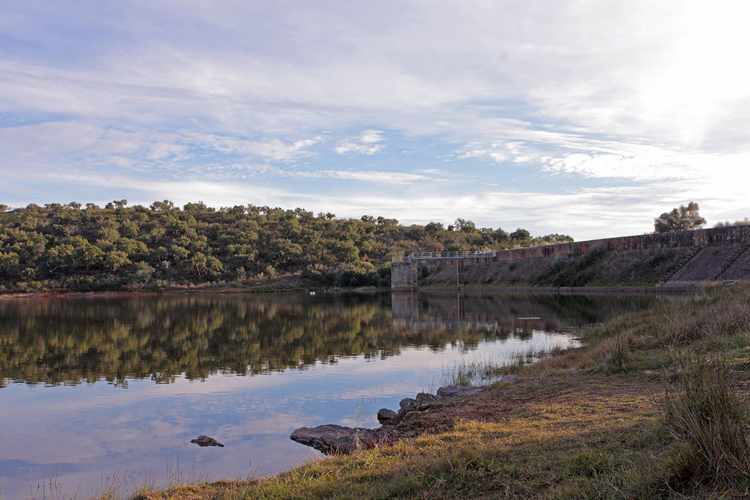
66, 341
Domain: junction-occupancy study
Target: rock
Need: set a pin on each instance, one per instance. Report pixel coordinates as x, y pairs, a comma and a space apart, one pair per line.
407, 404
387, 417
206, 441
451, 391
333, 439
424, 397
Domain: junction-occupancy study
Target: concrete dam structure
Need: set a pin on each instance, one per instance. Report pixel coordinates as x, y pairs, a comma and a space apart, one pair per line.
665, 259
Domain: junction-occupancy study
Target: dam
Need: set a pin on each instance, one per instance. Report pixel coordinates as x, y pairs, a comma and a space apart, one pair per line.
660, 259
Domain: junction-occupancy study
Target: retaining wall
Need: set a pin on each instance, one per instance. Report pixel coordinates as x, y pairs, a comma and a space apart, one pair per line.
406, 274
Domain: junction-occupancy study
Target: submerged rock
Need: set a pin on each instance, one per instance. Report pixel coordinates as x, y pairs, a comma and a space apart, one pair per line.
332, 439
387, 417
206, 441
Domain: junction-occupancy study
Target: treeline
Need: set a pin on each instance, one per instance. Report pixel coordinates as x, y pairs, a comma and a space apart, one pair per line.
117, 246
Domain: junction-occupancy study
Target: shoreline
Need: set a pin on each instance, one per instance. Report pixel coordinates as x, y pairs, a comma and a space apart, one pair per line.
114, 294
265, 289
565, 290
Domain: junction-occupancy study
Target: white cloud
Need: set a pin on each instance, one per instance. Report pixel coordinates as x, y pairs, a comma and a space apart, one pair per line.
376, 176
368, 142
272, 149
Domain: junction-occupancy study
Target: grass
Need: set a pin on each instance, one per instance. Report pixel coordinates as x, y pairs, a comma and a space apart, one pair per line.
487, 370
652, 406
708, 415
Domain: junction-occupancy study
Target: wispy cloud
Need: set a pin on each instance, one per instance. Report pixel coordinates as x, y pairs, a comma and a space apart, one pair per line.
368, 142
376, 176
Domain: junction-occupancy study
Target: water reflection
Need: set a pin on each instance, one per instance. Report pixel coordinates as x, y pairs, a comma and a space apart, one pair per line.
244, 369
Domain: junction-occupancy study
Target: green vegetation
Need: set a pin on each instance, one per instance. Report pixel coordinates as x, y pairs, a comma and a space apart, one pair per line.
588, 423
120, 247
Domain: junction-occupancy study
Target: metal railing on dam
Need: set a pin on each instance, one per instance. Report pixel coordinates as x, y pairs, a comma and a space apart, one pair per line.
444, 256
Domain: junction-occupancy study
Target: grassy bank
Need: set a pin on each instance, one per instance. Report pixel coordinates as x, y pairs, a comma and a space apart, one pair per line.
653, 406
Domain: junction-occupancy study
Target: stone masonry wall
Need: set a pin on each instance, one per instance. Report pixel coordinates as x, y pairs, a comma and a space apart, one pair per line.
405, 274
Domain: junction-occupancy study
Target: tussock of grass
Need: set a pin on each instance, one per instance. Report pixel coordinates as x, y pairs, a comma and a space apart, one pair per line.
708, 414
615, 355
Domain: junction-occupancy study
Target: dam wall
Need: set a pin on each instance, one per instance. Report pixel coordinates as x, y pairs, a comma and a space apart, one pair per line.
680, 257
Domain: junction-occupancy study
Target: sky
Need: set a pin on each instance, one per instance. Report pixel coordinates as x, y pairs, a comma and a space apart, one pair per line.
588, 118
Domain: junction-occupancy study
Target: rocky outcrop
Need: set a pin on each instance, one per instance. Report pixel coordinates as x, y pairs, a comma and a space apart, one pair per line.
337, 439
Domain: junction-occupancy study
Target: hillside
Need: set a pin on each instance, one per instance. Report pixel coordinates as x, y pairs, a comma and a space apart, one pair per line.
74, 247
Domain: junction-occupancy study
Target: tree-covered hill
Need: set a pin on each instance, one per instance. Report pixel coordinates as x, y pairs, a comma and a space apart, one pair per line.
119, 246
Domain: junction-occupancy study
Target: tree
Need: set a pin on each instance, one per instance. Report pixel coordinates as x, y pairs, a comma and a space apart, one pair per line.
465, 226
434, 228
520, 235
500, 235
682, 218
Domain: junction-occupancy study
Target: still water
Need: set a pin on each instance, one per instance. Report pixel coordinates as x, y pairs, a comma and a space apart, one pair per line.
101, 393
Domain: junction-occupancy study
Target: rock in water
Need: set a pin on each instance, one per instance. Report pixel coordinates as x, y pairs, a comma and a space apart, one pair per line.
206, 441
333, 439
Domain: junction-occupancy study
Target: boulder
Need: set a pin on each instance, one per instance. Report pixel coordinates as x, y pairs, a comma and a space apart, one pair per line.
407, 404
335, 439
387, 417
424, 397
